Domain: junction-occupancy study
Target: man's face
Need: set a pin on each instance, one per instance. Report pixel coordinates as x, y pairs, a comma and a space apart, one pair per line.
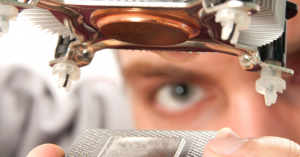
211, 92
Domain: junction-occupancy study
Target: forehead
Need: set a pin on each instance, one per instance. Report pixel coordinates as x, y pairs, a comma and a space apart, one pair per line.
129, 57
205, 64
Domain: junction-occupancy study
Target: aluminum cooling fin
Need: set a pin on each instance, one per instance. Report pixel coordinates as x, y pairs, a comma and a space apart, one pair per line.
272, 13
43, 19
265, 26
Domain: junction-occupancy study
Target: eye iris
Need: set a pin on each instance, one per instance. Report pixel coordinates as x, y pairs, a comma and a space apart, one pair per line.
177, 96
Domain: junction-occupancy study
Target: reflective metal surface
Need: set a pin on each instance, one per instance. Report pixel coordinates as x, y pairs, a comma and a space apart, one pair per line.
135, 3
146, 27
136, 143
143, 147
78, 53
83, 54
255, 63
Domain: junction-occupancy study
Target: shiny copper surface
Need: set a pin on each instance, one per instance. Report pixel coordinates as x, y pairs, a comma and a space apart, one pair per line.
146, 27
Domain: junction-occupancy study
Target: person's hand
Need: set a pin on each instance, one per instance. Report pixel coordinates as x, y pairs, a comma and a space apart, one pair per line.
47, 150
228, 144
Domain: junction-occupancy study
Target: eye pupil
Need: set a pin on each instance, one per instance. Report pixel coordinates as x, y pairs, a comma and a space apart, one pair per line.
181, 90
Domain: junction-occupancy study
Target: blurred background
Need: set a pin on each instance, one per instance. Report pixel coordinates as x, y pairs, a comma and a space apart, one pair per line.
27, 46
33, 111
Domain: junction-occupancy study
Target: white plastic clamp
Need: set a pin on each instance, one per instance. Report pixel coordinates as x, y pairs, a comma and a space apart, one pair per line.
7, 13
269, 84
233, 20
66, 71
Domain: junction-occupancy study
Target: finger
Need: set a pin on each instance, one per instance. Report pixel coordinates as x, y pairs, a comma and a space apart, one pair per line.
225, 133
47, 150
254, 147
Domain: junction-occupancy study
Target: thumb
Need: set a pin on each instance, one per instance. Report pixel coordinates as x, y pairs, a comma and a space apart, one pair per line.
253, 147
47, 150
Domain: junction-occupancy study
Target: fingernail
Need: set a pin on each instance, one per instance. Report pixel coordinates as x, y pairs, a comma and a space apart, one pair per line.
226, 133
232, 134
226, 146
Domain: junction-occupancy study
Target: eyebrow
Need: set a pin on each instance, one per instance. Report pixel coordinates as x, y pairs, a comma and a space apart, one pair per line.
152, 70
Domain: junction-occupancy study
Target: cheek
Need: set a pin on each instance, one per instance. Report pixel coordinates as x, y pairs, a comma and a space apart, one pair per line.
293, 82
141, 112
293, 32
291, 94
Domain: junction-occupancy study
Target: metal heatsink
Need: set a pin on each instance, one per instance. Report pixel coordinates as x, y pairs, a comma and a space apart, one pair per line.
44, 20
106, 143
265, 26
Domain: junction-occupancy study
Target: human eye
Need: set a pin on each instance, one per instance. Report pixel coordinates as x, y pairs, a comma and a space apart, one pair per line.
175, 97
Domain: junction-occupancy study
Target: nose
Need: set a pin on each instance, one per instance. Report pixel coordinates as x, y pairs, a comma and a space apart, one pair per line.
246, 111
